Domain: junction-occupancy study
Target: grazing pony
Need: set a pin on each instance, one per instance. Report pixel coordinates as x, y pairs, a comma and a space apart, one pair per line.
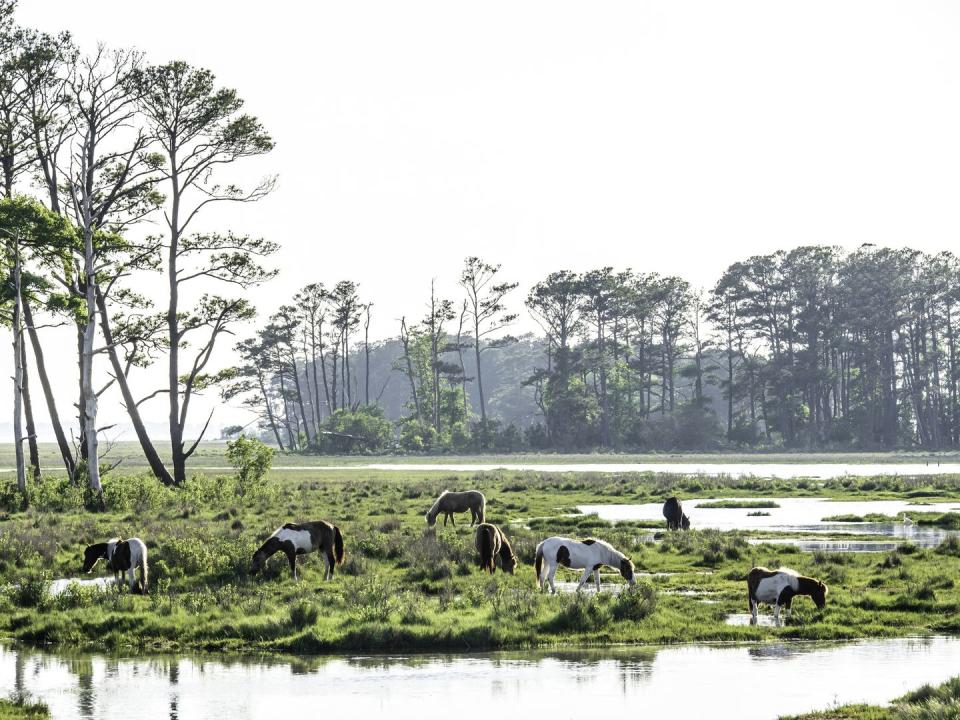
490, 542
293, 540
589, 555
122, 556
778, 587
676, 518
456, 502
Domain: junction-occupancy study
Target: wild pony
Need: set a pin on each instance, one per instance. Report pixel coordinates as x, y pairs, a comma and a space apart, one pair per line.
456, 502
293, 539
122, 556
491, 542
779, 587
589, 555
676, 518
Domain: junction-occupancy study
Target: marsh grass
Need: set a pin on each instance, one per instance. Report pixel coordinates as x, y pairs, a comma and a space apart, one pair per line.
404, 587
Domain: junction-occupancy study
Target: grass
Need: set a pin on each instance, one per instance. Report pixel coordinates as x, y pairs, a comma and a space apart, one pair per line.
738, 504
940, 702
21, 707
406, 588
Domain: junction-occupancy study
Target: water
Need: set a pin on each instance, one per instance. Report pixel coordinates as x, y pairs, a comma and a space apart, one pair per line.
795, 515
751, 682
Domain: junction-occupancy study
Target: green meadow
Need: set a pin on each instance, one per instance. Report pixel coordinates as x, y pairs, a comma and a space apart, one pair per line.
406, 587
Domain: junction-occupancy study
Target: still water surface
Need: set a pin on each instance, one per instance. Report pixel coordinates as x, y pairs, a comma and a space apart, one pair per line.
748, 682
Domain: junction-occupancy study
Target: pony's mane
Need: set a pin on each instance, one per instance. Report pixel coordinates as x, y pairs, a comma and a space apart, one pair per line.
436, 506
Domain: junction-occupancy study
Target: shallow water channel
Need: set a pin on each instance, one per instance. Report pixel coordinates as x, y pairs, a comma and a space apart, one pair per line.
746, 681
800, 515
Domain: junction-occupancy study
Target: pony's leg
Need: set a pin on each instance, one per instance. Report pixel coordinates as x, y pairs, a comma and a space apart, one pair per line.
551, 573
132, 578
776, 613
753, 611
328, 559
587, 572
445, 519
291, 554
453, 520
596, 577
788, 605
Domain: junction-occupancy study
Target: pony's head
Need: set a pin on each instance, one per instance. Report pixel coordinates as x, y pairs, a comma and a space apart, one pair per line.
818, 593
508, 562
93, 553
626, 569
685, 522
263, 553
431, 518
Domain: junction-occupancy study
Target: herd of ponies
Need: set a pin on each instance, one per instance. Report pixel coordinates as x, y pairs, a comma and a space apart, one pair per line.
771, 587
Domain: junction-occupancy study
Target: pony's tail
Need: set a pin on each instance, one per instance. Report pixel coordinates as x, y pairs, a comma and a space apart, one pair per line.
538, 563
486, 550
337, 545
483, 509
144, 572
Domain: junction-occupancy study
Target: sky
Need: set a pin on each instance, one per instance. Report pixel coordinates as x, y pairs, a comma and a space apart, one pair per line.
675, 137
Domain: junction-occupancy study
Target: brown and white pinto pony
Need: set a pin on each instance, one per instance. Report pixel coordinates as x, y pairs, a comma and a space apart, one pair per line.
299, 539
456, 502
779, 587
491, 542
122, 556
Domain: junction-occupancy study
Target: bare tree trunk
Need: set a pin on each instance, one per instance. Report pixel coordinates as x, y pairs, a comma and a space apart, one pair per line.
18, 376
28, 409
89, 407
149, 451
405, 339
366, 353
270, 416
65, 451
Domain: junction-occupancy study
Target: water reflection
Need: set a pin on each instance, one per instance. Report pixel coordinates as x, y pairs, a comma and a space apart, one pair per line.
572, 683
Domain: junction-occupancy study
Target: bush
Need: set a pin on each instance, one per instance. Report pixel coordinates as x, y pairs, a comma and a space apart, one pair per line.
581, 613
636, 603
251, 459
303, 614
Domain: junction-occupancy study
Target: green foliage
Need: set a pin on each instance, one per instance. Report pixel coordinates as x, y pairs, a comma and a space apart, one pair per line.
251, 459
362, 430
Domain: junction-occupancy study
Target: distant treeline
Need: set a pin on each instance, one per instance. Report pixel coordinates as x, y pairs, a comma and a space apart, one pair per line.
812, 348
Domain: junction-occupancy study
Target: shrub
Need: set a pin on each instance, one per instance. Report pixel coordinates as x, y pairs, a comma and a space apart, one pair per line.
636, 603
303, 614
251, 459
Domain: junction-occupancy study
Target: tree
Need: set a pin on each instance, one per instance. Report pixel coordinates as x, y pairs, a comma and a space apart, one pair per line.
109, 178
487, 311
200, 130
26, 229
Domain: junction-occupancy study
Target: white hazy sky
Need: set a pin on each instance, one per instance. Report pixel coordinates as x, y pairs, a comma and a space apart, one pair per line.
670, 136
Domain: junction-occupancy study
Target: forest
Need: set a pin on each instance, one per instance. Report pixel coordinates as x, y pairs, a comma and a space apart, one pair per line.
111, 163
811, 348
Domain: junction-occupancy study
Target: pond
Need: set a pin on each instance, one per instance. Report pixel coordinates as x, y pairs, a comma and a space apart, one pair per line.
795, 515
750, 681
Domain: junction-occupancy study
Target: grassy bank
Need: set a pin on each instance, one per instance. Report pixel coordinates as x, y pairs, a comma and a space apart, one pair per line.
22, 708
939, 702
406, 588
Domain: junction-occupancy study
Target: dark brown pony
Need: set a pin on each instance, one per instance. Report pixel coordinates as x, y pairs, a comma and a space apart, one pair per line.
676, 518
456, 502
490, 542
299, 539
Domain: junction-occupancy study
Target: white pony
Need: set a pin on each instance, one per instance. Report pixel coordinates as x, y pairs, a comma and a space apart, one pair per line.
589, 556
